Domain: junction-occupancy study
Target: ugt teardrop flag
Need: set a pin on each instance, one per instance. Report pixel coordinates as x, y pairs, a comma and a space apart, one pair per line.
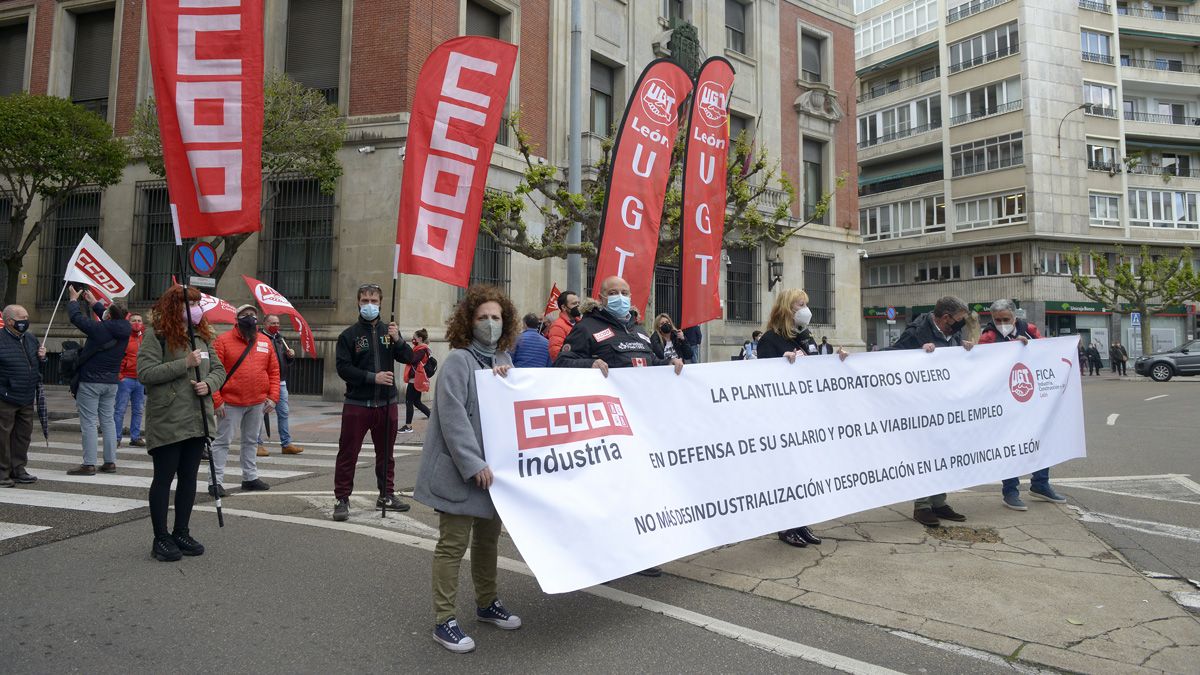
456, 114
702, 226
637, 183
272, 302
207, 62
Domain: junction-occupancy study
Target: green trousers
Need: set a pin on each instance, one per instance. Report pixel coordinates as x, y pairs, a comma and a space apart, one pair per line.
454, 534
931, 502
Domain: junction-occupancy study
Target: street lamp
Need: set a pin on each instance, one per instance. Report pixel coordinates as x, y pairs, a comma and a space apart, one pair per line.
774, 273
1081, 106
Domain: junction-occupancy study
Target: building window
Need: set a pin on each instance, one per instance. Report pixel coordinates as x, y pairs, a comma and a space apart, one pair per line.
666, 292
990, 211
885, 275
13, 39
1164, 208
741, 286
938, 270
491, 264
155, 258
997, 264
1055, 263
78, 214
903, 219
900, 24
985, 47
812, 48
483, 21
970, 9
314, 45
987, 154
901, 121
1096, 47
296, 246
1102, 157
818, 283
673, 10
735, 26
739, 125
1100, 100
91, 66
602, 99
814, 178
992, 99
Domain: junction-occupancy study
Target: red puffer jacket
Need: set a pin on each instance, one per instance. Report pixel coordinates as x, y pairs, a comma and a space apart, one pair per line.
129, 363
256, 380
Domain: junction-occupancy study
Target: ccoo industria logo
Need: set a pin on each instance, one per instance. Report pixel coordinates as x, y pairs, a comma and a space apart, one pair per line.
1020, 382
555, 422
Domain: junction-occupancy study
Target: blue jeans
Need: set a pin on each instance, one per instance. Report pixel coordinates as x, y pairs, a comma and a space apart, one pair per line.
281, 416
1039, 479
130, 391
95, 403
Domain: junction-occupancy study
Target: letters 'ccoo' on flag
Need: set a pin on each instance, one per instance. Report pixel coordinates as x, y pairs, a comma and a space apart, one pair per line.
207, 62
702, 225
92, 266
272, 302
456, 114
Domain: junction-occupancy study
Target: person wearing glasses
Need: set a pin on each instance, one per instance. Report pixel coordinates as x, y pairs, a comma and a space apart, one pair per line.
367, 353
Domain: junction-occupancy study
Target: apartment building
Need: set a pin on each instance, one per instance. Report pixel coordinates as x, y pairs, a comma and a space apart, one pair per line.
995, 137
794, 63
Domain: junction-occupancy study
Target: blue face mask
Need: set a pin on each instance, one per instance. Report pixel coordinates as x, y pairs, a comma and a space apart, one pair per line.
618, 304
369, 311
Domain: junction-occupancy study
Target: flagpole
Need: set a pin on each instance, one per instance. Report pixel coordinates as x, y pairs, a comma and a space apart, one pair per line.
55, 312
212, 466
392, 433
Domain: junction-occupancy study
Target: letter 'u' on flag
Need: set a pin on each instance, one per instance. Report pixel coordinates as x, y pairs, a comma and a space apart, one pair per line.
272, 302
456, 114
704, 193
207, 61
92, 266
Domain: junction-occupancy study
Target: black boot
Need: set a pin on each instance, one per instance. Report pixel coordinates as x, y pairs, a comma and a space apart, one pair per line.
807, 535
185, 543
165, 549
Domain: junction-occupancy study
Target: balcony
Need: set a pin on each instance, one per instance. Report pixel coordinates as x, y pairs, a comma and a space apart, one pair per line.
1170, 171
900, 180
884, 90
986, 112
984, 58
1112, 168
1155, 22
902, 133
1093, 57
1162, 119
971, 8
1094, 6
1169, 14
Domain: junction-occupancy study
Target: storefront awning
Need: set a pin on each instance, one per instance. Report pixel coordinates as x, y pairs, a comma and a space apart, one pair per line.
1075, 307
1153, 145
899, 174
1190, 39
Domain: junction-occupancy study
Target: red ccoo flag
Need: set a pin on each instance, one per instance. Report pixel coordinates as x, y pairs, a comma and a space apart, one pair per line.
207, 60
456, 114
704, 194
272, 302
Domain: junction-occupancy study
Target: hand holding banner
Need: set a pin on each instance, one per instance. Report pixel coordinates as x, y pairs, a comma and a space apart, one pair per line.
272, 302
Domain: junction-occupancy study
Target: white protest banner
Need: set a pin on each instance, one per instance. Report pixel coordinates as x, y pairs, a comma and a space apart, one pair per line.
597, 478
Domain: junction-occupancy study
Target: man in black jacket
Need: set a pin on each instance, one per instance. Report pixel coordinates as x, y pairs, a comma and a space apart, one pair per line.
607, 337
940, 328
20, 357
367, 353
99, 377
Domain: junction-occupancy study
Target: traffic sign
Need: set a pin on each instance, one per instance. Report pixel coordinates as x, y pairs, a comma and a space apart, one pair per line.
891, 313
1135, 319
203, 258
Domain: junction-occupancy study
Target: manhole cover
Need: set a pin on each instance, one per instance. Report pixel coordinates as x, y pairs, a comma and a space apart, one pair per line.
971, 535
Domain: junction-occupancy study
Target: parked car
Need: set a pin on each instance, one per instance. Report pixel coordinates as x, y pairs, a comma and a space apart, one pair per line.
1162, 366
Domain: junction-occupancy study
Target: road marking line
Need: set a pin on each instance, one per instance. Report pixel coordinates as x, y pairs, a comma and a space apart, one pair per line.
748, 636
1157, 397
1144, 526
41, 457
1112, 419
973, 653
1105, 479
11, 530
65, 500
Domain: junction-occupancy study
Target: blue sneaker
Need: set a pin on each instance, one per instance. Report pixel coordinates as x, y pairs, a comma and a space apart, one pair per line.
450, 636
1047, 493
1013, 501
495, 613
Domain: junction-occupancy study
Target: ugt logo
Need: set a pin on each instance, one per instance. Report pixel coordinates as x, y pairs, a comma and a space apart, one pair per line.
658, 98
713, 102
1021, 383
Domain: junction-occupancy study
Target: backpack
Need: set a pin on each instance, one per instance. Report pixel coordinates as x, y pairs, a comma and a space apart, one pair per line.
430, 366
68, 360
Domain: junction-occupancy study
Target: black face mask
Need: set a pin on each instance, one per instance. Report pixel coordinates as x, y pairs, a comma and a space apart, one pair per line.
574, 313
957, 326
247, 323
665, 329
21, 326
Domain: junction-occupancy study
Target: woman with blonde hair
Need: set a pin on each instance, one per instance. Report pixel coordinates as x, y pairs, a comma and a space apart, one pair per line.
454, 476
787, 335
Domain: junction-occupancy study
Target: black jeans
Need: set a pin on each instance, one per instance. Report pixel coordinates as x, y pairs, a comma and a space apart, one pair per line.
180, 460
412, 399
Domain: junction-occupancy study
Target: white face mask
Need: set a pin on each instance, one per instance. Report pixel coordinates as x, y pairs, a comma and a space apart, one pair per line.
1006, 329
802, 316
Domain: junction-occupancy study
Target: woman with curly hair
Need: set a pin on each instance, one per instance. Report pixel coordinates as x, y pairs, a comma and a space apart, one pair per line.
454, 475
174, 431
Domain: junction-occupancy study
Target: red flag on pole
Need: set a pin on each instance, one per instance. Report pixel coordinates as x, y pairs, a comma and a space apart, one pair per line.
456, 114
637, 184
552, 301
272, 302
207, 62
704, 194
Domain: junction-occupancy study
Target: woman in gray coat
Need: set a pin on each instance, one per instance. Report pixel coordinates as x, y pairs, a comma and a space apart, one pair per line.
454, 475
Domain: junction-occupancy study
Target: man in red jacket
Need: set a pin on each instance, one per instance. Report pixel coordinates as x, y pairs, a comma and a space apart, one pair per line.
568, 314
129, 390
251, 389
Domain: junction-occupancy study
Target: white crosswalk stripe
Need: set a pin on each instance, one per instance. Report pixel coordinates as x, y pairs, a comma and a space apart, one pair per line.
64, 500
123, 465
10, 530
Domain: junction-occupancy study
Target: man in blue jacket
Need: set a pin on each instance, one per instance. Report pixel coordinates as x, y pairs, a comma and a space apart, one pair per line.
20, 373
533, 349
99, 377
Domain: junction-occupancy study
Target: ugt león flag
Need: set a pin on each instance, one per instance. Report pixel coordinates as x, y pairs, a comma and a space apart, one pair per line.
702, 221
92, 266
215, 309
456, 113
273, 303
637, 183
207, 62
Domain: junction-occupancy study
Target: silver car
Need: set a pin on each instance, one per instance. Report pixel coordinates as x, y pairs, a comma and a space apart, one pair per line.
1162, 366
